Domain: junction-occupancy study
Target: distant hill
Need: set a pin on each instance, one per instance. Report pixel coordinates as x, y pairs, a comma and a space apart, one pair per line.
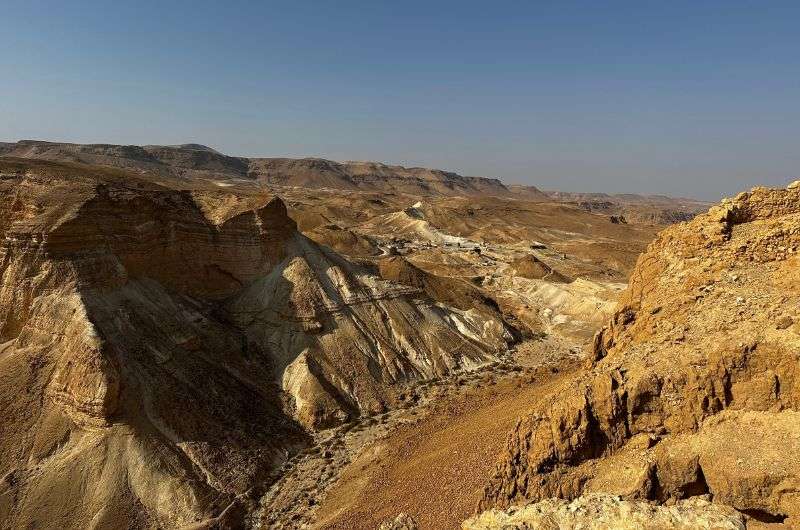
199, 161
630, 207
627, 198
196, 161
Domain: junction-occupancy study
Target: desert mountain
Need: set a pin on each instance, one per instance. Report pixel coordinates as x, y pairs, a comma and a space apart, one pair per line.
181, 347
630, 207
199, 163
693, 386
194, 161
164, 352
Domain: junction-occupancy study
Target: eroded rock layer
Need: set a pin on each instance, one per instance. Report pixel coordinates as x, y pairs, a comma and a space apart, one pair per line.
160, 359
693, 389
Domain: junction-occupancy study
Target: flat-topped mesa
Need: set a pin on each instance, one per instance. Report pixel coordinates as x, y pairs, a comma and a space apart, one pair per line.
696, 368
164, 236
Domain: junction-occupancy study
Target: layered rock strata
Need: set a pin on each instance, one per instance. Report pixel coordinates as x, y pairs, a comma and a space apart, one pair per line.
160, 362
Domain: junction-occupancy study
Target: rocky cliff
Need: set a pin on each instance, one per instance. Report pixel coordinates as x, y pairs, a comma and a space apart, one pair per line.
693, 387
163, 354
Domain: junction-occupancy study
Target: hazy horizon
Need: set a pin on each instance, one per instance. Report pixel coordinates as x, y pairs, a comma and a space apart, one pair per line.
681, 99
406, 165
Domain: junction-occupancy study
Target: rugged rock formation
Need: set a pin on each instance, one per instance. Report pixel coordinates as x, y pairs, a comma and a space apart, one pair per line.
601, 512
162, 355
693, 388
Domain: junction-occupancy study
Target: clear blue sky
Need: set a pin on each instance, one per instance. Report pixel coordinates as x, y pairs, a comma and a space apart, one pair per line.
685, 97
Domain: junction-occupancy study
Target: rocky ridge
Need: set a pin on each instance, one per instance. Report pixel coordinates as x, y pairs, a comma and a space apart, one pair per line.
163, 355
695, 370
197, 162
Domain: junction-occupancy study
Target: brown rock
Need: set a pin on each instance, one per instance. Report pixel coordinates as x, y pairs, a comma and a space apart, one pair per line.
600, 512
403, 521
162, 353
710, 399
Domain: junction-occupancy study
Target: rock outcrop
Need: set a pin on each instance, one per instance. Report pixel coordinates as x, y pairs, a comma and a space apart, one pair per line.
602, 512
403, 521
533, 268
161, 359
693, 387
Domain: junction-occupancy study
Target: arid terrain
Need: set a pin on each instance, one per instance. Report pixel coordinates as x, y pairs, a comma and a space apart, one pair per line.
194, 340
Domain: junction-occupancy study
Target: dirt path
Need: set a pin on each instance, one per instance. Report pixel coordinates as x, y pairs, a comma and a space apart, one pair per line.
435, 469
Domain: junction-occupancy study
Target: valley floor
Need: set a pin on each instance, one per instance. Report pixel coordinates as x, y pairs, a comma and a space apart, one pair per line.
429, 460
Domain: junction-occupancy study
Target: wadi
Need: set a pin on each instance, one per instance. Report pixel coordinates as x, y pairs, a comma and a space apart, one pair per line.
194, 340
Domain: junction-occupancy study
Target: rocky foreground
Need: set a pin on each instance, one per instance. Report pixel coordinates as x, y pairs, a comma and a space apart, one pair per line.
597, 511
605, 512
693, 385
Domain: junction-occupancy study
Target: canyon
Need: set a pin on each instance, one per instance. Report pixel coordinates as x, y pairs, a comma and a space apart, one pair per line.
195, 340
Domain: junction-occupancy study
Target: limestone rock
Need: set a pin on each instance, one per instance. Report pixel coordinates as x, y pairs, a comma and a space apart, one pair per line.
162, 356
602, 512
403, 521
704, 379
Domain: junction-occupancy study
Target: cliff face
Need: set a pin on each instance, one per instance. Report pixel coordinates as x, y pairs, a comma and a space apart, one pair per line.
696, 369
160, 359
371, 176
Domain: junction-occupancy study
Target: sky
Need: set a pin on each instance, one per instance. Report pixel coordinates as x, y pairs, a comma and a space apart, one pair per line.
687, 97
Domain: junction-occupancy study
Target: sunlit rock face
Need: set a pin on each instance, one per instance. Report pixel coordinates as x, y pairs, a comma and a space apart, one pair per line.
694, 371
159, 361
